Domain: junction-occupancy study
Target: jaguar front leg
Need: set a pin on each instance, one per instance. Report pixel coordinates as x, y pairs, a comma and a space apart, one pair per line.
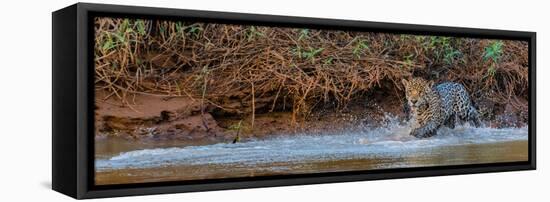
426, 131
451, 121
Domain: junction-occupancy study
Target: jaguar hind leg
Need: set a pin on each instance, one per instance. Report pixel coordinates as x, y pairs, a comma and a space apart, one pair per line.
474, 117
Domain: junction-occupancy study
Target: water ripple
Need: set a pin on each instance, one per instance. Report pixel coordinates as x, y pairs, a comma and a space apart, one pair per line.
381, 142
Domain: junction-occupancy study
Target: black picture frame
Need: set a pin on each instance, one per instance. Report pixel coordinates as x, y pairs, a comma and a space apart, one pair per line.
73, 101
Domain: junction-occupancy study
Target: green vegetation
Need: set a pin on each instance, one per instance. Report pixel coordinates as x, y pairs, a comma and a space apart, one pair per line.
493, 51
360, 48
303, 34
308, 54
253, 33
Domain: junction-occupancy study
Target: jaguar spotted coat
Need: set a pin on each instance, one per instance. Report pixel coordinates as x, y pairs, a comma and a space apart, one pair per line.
433, 107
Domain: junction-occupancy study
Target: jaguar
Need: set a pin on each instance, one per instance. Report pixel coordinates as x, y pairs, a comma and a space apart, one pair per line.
432, 107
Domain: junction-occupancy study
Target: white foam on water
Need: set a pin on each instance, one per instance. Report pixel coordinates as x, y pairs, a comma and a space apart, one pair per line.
391, 141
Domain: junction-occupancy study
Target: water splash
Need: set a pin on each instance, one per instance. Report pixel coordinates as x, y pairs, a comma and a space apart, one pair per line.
391, 140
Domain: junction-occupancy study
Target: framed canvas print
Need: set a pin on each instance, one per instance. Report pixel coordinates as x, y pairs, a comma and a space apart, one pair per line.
155, 100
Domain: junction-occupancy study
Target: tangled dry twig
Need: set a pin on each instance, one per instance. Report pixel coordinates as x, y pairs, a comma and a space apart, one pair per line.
251, 68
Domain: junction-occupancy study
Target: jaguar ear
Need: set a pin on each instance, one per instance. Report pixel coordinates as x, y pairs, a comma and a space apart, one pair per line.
405, 82
430, 84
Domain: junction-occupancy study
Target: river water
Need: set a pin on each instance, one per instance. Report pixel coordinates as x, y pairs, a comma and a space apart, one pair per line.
378, 148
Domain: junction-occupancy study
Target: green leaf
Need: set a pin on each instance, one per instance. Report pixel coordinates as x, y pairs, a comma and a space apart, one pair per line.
361, 46
328, 61
493, 51
108, 44
119, 37
303, 34
179, 27
140, 27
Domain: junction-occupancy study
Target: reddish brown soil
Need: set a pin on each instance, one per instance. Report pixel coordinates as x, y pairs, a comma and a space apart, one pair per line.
162, 117
149, 116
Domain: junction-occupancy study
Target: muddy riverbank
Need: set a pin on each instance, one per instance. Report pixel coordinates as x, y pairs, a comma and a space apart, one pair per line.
183, 120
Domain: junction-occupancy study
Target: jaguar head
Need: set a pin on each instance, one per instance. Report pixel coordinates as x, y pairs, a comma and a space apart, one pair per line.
416, 89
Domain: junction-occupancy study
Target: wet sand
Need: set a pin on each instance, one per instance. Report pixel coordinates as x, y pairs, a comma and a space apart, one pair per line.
510, 151
111, 146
